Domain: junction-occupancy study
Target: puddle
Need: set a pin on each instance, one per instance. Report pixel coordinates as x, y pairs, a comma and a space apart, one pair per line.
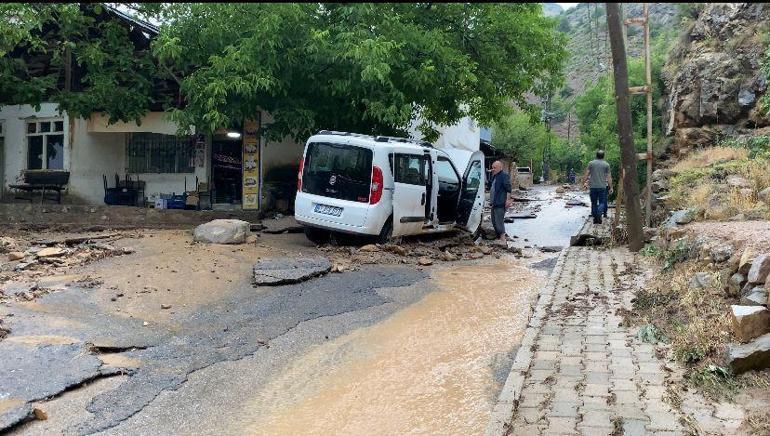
43, 340
432, 367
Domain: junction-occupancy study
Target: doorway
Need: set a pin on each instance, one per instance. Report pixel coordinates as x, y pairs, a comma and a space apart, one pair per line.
227, 168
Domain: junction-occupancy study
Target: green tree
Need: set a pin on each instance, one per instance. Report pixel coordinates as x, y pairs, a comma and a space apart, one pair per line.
361, 67
44, 44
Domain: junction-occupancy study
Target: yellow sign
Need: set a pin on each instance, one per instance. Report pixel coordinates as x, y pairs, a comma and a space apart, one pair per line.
251, 163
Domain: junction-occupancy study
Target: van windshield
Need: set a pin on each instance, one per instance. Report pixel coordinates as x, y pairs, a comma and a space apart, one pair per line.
337, 171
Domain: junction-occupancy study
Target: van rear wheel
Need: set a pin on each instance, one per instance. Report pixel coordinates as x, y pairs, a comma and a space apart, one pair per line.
386, 233
317, 236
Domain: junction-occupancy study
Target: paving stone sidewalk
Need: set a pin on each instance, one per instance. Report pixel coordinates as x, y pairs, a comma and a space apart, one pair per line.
578, 371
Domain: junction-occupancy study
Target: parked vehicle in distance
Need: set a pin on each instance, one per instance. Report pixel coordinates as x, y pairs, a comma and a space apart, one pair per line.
524, 177
384, 186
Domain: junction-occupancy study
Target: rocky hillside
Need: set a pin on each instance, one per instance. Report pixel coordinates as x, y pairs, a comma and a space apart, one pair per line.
713, 76
589, 47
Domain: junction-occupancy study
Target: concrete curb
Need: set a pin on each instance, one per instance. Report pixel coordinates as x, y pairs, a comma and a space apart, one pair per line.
502, 415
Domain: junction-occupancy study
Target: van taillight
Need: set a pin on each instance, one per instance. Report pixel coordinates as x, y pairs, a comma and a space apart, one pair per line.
299, 176
376, 193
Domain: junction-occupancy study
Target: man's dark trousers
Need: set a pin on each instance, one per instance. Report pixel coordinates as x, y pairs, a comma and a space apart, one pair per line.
598, 202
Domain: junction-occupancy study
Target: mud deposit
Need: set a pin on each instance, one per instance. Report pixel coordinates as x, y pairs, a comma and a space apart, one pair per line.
432, 367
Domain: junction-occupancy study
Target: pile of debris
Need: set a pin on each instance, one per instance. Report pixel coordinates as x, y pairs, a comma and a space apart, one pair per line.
29, 262
750, 318
448, 249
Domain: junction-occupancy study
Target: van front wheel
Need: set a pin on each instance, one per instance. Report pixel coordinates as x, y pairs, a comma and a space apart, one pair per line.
386, 233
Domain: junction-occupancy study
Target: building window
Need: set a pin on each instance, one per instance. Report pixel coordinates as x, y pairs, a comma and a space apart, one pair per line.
45, 145
157, 153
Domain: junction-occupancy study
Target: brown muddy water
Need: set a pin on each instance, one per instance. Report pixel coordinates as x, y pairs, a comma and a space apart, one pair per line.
434, 367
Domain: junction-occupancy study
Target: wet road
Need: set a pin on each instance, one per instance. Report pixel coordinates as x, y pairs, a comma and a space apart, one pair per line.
382, 350
554, 223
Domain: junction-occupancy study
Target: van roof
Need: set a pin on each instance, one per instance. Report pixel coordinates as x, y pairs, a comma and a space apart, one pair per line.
376, 140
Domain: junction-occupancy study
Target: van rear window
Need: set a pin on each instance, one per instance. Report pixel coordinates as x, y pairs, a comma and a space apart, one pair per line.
337, 171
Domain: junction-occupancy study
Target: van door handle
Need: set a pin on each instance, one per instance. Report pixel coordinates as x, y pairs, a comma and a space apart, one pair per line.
422, 202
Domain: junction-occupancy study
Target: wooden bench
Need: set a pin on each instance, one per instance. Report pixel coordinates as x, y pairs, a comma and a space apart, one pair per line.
42, 180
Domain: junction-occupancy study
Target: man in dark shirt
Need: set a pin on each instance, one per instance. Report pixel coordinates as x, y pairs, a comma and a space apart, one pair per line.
500, 187
599, 179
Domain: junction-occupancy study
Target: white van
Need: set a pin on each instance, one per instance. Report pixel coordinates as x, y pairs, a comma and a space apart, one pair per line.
384, 186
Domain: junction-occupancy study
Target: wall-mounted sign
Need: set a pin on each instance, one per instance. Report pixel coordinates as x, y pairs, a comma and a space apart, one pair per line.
251, 164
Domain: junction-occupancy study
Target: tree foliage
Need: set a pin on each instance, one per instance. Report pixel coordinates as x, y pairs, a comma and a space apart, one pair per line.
597, 116
360, 67
39, 40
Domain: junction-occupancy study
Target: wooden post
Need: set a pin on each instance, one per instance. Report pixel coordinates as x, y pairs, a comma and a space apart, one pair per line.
625, 132
648, 78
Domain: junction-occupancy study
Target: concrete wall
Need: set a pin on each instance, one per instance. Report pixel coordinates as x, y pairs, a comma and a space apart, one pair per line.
91, 149
14, 119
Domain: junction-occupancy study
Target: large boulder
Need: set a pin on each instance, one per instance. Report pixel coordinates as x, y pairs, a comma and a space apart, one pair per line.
757, 296
282, 271
744, 265
735, 283
760, 268
754, 355
750, 322
222, 231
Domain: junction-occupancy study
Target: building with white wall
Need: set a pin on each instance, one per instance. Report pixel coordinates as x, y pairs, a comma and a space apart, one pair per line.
91, 149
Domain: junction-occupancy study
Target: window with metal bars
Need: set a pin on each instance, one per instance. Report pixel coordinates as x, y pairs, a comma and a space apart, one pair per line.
158, 153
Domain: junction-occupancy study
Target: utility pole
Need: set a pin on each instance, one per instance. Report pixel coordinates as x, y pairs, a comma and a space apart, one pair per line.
628, 155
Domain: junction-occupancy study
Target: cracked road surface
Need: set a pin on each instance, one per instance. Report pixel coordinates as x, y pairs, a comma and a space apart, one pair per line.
383, 349
228, 330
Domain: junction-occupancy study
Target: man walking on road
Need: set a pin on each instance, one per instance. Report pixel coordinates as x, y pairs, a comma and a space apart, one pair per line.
500, 187
599, 178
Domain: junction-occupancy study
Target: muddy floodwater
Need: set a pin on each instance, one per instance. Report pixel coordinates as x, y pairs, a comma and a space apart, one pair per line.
436, 366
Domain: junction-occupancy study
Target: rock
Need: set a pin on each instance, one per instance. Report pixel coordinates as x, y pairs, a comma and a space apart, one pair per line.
679, 217
721, 253
485, 249
700, 280
39, 414
661, 174
251, 239
50, 252
760, 268
397, 249
222, 231
15, 255
659, 186
764, 195
447, 256
750, 322
551, 249
515, 250
744, 265
8, 244
735, 283
280, 271
738, 182
369, 248
757, 296
649, 233
165, 306
559, 190
753, 355
145, 324
425, 261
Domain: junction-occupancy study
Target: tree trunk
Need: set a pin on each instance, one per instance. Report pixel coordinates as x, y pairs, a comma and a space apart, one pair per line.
628, 155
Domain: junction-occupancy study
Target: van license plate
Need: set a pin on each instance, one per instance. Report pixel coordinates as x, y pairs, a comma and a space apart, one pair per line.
328, 210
